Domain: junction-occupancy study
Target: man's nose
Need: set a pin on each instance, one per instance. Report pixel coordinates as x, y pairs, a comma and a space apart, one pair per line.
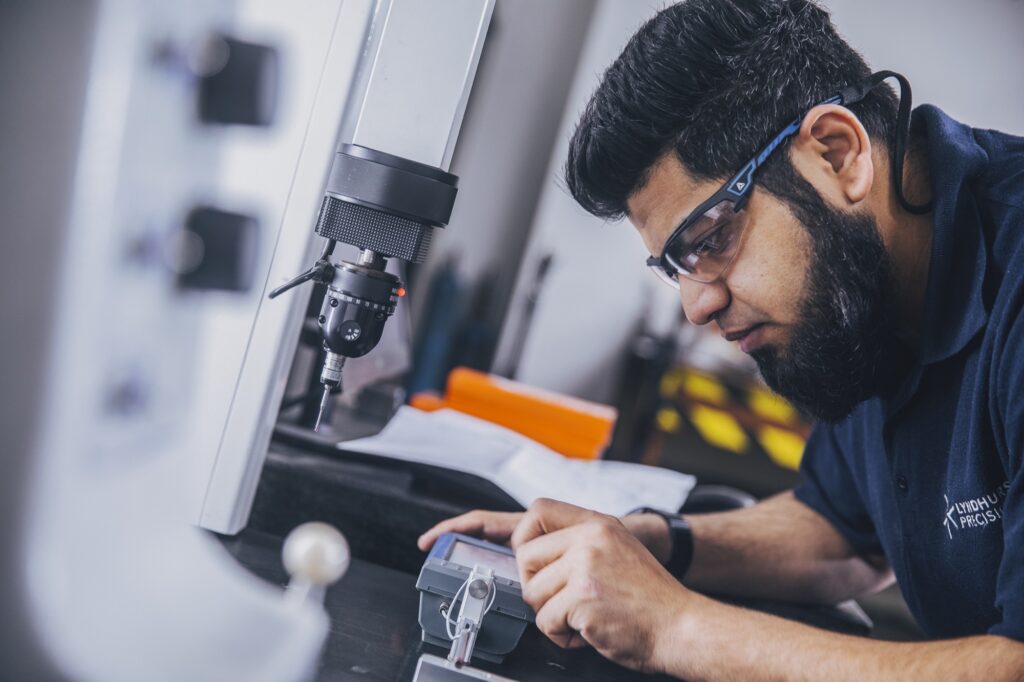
702, 301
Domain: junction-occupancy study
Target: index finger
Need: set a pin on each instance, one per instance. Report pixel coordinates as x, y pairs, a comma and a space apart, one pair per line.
546, 516
540, 553
490, 525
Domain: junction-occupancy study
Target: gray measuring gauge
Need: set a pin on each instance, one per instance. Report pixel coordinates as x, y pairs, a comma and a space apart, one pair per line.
447, 568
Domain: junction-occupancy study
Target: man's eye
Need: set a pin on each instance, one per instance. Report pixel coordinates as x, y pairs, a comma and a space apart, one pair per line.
712, 244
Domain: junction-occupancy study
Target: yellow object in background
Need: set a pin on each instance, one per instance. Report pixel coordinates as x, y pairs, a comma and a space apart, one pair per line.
704, 388
668, 420
671, 382
719, 428
784, 447
767, 405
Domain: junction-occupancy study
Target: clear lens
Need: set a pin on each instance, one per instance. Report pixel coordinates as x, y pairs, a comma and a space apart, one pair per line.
655, 266
708, 245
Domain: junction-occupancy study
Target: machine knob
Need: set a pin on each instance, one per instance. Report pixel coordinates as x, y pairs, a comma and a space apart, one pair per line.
217, 250
237, 82
315, 555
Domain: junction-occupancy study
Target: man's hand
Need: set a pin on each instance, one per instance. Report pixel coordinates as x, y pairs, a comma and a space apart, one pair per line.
492, 526
497, 527
591, 581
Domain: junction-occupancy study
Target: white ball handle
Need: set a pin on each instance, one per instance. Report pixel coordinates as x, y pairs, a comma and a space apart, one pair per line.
315, 555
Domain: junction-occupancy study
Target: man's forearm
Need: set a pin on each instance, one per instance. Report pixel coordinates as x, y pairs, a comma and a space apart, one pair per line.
714, 641
778, 549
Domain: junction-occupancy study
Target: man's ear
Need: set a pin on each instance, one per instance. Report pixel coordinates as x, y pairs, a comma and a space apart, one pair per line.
833, 151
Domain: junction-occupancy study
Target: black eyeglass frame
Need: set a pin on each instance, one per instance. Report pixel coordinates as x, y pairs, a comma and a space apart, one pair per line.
737, 189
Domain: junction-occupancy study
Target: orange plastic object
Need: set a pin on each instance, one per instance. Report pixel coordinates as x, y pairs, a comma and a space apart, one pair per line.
428, 401
574, 427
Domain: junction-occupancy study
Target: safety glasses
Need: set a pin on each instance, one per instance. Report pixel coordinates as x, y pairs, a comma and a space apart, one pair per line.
708, 240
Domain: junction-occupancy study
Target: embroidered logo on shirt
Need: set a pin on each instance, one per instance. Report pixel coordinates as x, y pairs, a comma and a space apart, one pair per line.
976, 512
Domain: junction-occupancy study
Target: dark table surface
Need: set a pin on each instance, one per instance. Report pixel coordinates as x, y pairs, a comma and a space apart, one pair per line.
375, 635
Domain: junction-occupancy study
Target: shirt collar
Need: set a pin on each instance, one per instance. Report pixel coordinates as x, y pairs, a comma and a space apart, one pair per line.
954, 307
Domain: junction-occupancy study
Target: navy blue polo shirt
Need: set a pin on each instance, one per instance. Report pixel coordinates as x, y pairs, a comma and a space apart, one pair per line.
932, 476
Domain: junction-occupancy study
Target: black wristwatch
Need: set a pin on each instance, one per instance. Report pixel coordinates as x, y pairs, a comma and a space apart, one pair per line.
680, 538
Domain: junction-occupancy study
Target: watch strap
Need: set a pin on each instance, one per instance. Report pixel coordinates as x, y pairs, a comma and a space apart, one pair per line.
680, 540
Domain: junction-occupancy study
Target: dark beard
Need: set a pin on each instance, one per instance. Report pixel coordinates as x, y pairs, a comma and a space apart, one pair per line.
843, 350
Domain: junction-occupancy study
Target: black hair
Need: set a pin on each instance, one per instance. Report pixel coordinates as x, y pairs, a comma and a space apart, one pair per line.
713, 80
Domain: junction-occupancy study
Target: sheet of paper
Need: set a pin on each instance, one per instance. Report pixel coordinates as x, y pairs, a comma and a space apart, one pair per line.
444, 438
523, 468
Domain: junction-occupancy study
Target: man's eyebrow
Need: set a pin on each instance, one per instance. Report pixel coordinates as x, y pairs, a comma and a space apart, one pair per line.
652, 226
676, 218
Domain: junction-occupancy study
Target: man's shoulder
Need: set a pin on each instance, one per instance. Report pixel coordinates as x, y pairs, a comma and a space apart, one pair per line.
1003, 179
999, 191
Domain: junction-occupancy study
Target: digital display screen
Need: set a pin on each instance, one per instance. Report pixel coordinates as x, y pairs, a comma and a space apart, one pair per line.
467, 555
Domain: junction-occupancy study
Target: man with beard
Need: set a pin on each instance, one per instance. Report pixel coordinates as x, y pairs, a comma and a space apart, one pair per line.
873, 265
